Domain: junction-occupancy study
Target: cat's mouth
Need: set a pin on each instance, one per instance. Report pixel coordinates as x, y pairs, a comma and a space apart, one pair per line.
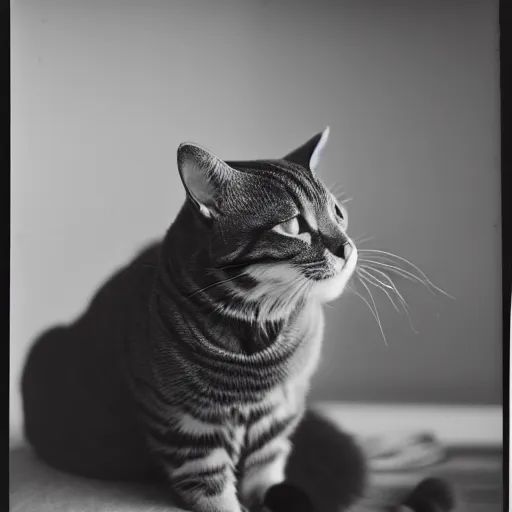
331, 266
329, 285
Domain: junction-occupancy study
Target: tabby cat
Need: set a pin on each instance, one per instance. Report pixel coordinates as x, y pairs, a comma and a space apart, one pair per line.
196, 358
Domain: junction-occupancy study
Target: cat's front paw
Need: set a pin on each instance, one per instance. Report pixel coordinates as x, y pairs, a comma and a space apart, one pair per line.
286, 497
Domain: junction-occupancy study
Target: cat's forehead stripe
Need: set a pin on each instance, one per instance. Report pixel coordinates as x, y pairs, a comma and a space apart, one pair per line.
296, 180
311, 219
299, 177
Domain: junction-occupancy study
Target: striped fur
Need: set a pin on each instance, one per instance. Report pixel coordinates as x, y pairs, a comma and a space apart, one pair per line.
235, 324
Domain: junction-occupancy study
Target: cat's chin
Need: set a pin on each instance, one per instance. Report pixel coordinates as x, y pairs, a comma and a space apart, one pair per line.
330, 288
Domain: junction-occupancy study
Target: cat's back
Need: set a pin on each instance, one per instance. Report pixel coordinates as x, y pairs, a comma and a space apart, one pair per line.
117, 310
73, 389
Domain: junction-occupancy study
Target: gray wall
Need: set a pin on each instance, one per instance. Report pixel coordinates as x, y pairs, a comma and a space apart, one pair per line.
103, 91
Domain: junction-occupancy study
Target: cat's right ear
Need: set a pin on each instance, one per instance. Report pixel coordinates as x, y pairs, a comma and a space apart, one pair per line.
204, 177
309, 153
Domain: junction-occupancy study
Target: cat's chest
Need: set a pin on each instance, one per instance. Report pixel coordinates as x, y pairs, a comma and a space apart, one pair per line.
246, 425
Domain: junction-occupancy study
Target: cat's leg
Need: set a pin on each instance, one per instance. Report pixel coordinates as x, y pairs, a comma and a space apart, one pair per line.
268, 445
206, 484
196, 460
264, 468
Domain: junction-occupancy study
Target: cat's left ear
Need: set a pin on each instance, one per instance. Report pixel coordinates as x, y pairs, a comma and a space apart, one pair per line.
308, 155
204, 176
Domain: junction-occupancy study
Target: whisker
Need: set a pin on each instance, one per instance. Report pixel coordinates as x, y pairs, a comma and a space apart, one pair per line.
215, 284
379, 284
407, 275
378, 256
403, 302
361, 297
376, 311
337, 186
336, 192
392, 255
427, 280
363, 240
339, 193
365, 270
359, 238
342, 199
404, 273
232, 265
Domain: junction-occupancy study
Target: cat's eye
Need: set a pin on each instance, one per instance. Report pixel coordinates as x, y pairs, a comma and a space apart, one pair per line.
291, 227
339, 213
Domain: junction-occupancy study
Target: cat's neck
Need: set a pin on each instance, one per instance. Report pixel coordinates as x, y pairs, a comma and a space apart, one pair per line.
218, 298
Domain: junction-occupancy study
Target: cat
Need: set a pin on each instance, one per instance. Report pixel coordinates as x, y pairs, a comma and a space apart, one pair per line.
193, 363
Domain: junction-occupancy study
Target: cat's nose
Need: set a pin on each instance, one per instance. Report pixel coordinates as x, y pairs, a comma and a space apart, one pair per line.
339, 246
343, 250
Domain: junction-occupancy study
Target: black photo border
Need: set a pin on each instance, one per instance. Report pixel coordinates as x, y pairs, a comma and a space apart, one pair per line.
505, 27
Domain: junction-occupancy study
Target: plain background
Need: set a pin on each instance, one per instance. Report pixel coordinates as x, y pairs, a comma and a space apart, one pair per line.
103, 91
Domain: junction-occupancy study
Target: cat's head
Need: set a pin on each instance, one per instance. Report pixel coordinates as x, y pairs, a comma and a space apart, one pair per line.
272, 220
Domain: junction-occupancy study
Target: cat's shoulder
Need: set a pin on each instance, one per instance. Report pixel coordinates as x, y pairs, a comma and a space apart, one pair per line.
148, 256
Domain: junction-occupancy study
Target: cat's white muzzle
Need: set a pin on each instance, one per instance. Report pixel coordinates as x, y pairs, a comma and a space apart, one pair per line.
278, 283
331, 288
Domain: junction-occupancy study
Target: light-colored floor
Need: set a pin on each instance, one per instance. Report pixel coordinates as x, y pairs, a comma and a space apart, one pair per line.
475, 474
34, 487
472, 436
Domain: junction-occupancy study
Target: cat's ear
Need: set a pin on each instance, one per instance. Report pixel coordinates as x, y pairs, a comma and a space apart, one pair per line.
308, 155
204, 177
